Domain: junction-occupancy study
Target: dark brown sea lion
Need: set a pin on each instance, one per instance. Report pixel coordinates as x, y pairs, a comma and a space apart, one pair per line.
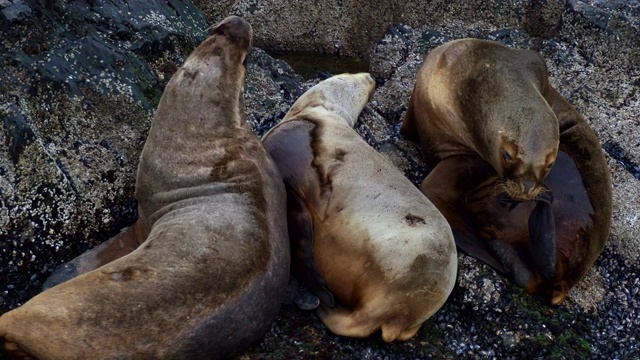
517, 172
210, 277
377, 253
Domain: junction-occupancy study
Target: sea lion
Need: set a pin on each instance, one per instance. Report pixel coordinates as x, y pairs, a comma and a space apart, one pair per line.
114, 248
517, 172
210, 277
364, 239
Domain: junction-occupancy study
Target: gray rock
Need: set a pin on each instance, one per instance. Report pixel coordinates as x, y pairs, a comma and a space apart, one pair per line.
352, 27
15, 9
77, 91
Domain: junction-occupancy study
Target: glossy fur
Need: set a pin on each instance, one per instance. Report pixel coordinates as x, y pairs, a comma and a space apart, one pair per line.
542, 211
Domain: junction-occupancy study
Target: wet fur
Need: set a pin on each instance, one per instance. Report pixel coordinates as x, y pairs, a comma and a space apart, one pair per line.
209, 278
386, 253
453, 112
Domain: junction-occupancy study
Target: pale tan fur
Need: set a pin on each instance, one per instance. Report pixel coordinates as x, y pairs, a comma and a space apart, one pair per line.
386, 252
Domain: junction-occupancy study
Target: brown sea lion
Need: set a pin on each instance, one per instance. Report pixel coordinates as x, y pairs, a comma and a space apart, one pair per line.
517, 172
377, 253
210, 277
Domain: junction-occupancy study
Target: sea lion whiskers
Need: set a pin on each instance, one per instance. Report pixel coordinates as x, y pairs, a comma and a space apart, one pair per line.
516, 190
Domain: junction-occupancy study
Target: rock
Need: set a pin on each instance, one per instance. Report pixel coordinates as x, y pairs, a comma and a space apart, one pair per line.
352, 27
77, 90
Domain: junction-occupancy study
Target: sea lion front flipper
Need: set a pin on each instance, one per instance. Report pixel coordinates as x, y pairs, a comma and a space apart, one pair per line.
474, 246
511, 262
300, 226
446, 186
116, 247
542, 235
299, 294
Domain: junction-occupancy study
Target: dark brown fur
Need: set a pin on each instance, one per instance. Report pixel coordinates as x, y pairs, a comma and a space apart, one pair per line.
485, 81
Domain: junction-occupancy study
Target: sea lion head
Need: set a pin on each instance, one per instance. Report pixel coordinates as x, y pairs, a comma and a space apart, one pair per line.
205, 94
344, 95
526, 151
500, 95
213, 72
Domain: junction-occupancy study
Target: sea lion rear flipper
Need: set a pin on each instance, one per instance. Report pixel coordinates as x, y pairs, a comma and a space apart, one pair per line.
408, 129
112, 249
301, 238
542, 234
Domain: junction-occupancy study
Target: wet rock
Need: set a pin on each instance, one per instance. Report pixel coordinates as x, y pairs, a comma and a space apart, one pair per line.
78, 85
353, 27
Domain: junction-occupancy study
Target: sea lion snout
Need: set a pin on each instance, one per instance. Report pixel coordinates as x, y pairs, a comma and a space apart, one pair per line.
520, 189
235, 29
528, 185
522, 180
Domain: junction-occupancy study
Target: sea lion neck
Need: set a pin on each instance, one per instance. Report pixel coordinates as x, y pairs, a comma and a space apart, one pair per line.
199, 129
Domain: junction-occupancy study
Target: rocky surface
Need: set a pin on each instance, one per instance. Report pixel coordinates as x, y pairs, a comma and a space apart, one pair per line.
352, 27
80, 80
78, 85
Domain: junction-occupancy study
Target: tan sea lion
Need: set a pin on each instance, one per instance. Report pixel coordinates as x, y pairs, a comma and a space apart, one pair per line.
517, 172
210, 277
377, 253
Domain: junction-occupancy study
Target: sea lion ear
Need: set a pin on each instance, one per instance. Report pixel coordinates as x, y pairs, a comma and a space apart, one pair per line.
542, 234
304, 266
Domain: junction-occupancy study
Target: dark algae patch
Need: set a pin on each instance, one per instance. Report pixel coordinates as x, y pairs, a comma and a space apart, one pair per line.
615, 151
310, 65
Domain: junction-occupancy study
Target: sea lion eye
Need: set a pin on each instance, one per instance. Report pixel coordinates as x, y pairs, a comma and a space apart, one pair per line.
549, 166
507, 156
